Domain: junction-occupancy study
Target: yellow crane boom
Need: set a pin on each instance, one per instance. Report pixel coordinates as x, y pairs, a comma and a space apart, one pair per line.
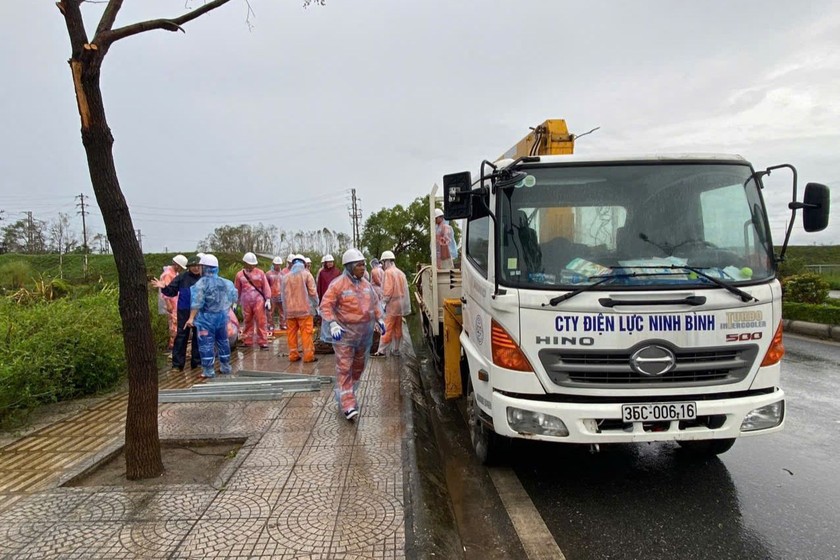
550, 138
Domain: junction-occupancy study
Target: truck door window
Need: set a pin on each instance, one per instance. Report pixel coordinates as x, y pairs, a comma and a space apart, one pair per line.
478, 243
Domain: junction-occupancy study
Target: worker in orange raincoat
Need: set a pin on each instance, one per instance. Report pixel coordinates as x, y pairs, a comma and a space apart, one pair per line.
300, 300
255, 299
350, 311
397, 304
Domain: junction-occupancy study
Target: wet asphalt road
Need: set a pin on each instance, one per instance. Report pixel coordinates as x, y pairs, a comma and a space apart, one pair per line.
769, 497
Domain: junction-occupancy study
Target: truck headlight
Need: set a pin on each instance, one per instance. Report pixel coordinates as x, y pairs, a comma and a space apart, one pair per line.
768, 416
530, 422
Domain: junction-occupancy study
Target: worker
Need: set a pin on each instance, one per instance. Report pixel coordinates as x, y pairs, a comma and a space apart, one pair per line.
300, 300
376, 274
445, 246
232, 329
169, 305
327, 274
179, 289
210, 301
274, 275
255, 299
288, 266
307, 263
350, 311
396, 302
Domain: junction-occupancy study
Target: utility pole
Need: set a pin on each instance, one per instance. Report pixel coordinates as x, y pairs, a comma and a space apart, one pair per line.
140, 239
83, 212
30, 233
355, 216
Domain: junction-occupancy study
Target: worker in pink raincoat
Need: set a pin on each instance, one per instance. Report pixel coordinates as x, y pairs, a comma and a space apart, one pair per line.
396, 302
350, 311
300, 300
255, 299
232, 329
169, 305
445, 246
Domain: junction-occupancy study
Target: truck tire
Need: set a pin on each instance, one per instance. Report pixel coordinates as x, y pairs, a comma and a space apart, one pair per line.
489, 447
707, 447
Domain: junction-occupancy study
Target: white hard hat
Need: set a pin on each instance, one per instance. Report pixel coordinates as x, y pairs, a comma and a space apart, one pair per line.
209, 260
249, 258
328, 258
307, 260
290, 258
387, 255
277, 260
438, 213
199, 255
352, 255
296, 258
180, 260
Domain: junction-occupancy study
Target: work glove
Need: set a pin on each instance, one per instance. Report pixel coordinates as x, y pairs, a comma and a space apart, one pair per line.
336, 331
268, 305
381, 327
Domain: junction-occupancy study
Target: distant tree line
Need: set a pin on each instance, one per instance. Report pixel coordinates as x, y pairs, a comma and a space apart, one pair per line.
270, 240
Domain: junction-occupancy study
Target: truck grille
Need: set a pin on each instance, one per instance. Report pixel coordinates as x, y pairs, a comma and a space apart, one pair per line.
692, 367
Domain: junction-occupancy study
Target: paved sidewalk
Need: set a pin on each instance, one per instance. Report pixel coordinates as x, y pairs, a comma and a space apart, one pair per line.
305, 484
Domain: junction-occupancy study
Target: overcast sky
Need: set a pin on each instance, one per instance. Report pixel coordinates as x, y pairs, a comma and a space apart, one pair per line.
274, 123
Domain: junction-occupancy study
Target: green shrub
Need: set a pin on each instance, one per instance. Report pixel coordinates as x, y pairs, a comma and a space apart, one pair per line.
792, 266
825, 314
806, 288
57, 350
15, 274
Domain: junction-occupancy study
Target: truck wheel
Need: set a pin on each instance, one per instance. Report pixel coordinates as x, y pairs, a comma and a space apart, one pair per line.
707, 447
489, 446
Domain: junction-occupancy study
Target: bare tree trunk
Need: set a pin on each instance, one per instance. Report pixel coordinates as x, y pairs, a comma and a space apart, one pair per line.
142, 443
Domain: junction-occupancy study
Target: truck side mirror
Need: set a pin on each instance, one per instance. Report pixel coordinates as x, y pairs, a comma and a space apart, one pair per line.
457, 197
815, 207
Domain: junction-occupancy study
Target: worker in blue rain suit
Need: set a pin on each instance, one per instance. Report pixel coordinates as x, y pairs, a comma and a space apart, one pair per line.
350, 311
211, 300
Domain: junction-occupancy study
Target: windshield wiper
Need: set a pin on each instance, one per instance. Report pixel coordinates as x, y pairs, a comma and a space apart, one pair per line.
745, 297
601, 279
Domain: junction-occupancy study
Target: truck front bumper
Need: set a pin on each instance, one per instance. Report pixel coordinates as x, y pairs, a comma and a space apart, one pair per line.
602, 423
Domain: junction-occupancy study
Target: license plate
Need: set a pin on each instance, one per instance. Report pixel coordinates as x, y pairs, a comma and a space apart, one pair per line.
658, 412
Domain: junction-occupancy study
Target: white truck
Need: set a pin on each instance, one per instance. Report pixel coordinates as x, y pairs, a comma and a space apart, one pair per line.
609, 300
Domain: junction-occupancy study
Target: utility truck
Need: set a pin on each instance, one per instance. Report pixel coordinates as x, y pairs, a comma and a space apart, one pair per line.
612, 299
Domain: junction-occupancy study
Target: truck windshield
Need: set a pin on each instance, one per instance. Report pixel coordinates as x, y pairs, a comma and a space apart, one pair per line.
572, 225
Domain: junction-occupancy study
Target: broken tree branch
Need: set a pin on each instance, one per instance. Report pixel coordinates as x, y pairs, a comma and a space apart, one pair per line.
106, 38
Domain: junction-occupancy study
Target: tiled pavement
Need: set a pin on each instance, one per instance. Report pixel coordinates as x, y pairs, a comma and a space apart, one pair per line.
306, 484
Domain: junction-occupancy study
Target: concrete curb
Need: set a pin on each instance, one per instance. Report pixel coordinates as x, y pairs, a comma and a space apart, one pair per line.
430, 526
817, 330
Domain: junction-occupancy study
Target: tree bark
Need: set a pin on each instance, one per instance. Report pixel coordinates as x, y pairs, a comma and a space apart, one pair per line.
142, 442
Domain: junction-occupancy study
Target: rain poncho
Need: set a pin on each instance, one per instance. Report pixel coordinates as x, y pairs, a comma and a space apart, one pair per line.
212, 297
169, 305
353, 304
254, 291
447, 249
300, 300
298, 292
395, 292
397, 304
376, 276
274, 278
